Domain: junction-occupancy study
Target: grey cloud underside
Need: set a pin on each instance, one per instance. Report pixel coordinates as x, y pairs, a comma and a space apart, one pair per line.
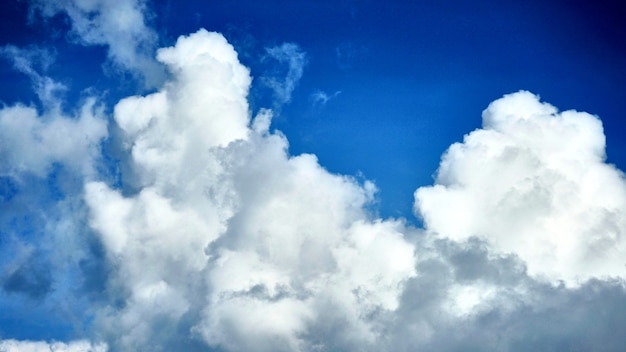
524, 314
227, 242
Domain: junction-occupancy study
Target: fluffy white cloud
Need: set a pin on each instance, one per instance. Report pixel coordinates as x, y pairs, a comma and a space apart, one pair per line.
42, 346
31, 143
533, 182
251, 247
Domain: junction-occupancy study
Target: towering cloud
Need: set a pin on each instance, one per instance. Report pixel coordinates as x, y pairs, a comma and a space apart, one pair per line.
533, 182
230, 238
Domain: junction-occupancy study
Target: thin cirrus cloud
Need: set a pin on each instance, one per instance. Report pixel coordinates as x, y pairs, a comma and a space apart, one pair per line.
320, 98
283, 84
34, 62
228, 242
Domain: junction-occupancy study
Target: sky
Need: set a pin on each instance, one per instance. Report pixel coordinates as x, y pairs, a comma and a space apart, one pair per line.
312, 176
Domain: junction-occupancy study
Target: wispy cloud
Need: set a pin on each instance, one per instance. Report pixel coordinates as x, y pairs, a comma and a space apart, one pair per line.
320, 98
34, 62
119, 25
294, 59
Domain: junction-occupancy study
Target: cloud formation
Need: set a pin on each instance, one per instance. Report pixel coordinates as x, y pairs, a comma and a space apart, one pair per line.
228, 229
533, 182
223, 240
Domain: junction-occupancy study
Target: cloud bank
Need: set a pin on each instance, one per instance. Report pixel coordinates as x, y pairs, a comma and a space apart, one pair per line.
225, 241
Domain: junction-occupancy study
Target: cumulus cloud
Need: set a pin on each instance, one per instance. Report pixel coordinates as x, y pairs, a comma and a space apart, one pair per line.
251, 248
534, 182
120, 25
32, 140
226, 241
32, 143
39, 346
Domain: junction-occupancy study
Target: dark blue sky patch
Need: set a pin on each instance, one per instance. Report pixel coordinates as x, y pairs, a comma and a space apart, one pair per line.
94, 269
8, 188
31, 278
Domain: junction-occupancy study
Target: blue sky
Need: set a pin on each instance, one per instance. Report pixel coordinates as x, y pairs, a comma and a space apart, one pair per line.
413, 77
415, 156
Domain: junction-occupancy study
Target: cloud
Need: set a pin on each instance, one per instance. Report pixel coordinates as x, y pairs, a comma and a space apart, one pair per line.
508, 310
533, 182
228, 228
33, 62
320, 98
46, 154
294, 59
226, 241
32, 143
120, 25
40, 346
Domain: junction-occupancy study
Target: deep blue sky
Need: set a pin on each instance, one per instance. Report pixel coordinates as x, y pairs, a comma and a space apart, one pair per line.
413, 76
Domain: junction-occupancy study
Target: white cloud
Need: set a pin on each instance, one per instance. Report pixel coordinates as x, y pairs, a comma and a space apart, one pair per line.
31, 143
120, 25
45, 156
33, 62
42, 346
294, 58
320, 98
533, 182
227, 224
